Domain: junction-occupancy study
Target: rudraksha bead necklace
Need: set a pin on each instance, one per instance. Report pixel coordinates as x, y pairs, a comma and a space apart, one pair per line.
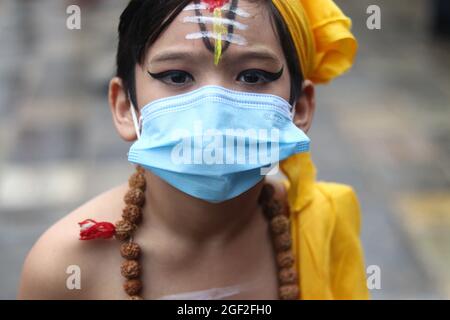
276, 212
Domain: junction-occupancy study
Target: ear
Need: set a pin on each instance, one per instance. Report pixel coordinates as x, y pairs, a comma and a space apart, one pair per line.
120, 108
305, 107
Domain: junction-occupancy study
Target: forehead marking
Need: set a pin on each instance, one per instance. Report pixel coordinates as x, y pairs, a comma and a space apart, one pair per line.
232, 38
223, 28
215, 20
227, 7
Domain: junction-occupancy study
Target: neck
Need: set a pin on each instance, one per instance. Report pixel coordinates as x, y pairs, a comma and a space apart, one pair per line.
198, 221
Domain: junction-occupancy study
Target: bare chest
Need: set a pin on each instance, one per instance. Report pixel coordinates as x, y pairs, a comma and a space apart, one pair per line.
200, 279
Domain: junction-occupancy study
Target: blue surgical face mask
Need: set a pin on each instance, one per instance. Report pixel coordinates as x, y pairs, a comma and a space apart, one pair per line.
213, 143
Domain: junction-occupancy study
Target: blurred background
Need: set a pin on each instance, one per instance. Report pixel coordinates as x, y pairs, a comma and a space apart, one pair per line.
384, 128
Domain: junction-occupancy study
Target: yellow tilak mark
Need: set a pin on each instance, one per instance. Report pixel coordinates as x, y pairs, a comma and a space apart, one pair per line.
218, 29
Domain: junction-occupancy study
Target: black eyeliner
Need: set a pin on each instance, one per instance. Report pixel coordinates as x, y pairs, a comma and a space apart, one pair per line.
163, 74
271, 76
274, 76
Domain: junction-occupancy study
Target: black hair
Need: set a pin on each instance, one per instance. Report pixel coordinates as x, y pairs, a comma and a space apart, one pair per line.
143, 21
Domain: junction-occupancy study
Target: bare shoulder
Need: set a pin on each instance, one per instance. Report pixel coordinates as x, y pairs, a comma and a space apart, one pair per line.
59, 253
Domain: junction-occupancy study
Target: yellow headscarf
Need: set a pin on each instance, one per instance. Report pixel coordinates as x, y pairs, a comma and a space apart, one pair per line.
322, 37
326, 49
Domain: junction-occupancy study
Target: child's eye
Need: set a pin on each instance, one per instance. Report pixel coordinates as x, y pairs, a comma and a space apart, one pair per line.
257, 76
173, 77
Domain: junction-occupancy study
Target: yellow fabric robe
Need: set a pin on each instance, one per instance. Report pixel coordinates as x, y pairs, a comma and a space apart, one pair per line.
325, 225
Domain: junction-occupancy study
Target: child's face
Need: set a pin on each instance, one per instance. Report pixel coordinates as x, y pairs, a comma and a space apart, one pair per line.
182, 60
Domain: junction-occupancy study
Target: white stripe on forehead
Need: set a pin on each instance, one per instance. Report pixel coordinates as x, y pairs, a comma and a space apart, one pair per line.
237, 11
232, 38
220, 32
226, 7
214, 20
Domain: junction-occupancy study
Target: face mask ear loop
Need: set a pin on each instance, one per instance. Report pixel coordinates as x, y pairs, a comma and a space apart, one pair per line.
136, 123
293, 111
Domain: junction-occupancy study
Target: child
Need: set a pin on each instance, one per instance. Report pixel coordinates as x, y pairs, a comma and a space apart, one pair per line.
214, 94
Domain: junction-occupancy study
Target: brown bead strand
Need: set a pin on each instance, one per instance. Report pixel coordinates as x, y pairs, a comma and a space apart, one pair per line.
276, 212
131, 216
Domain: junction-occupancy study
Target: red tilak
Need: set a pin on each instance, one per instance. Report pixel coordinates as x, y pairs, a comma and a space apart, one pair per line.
215, 4
91, 229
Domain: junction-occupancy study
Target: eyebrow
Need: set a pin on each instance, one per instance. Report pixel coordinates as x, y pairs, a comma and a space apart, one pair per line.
258, 54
